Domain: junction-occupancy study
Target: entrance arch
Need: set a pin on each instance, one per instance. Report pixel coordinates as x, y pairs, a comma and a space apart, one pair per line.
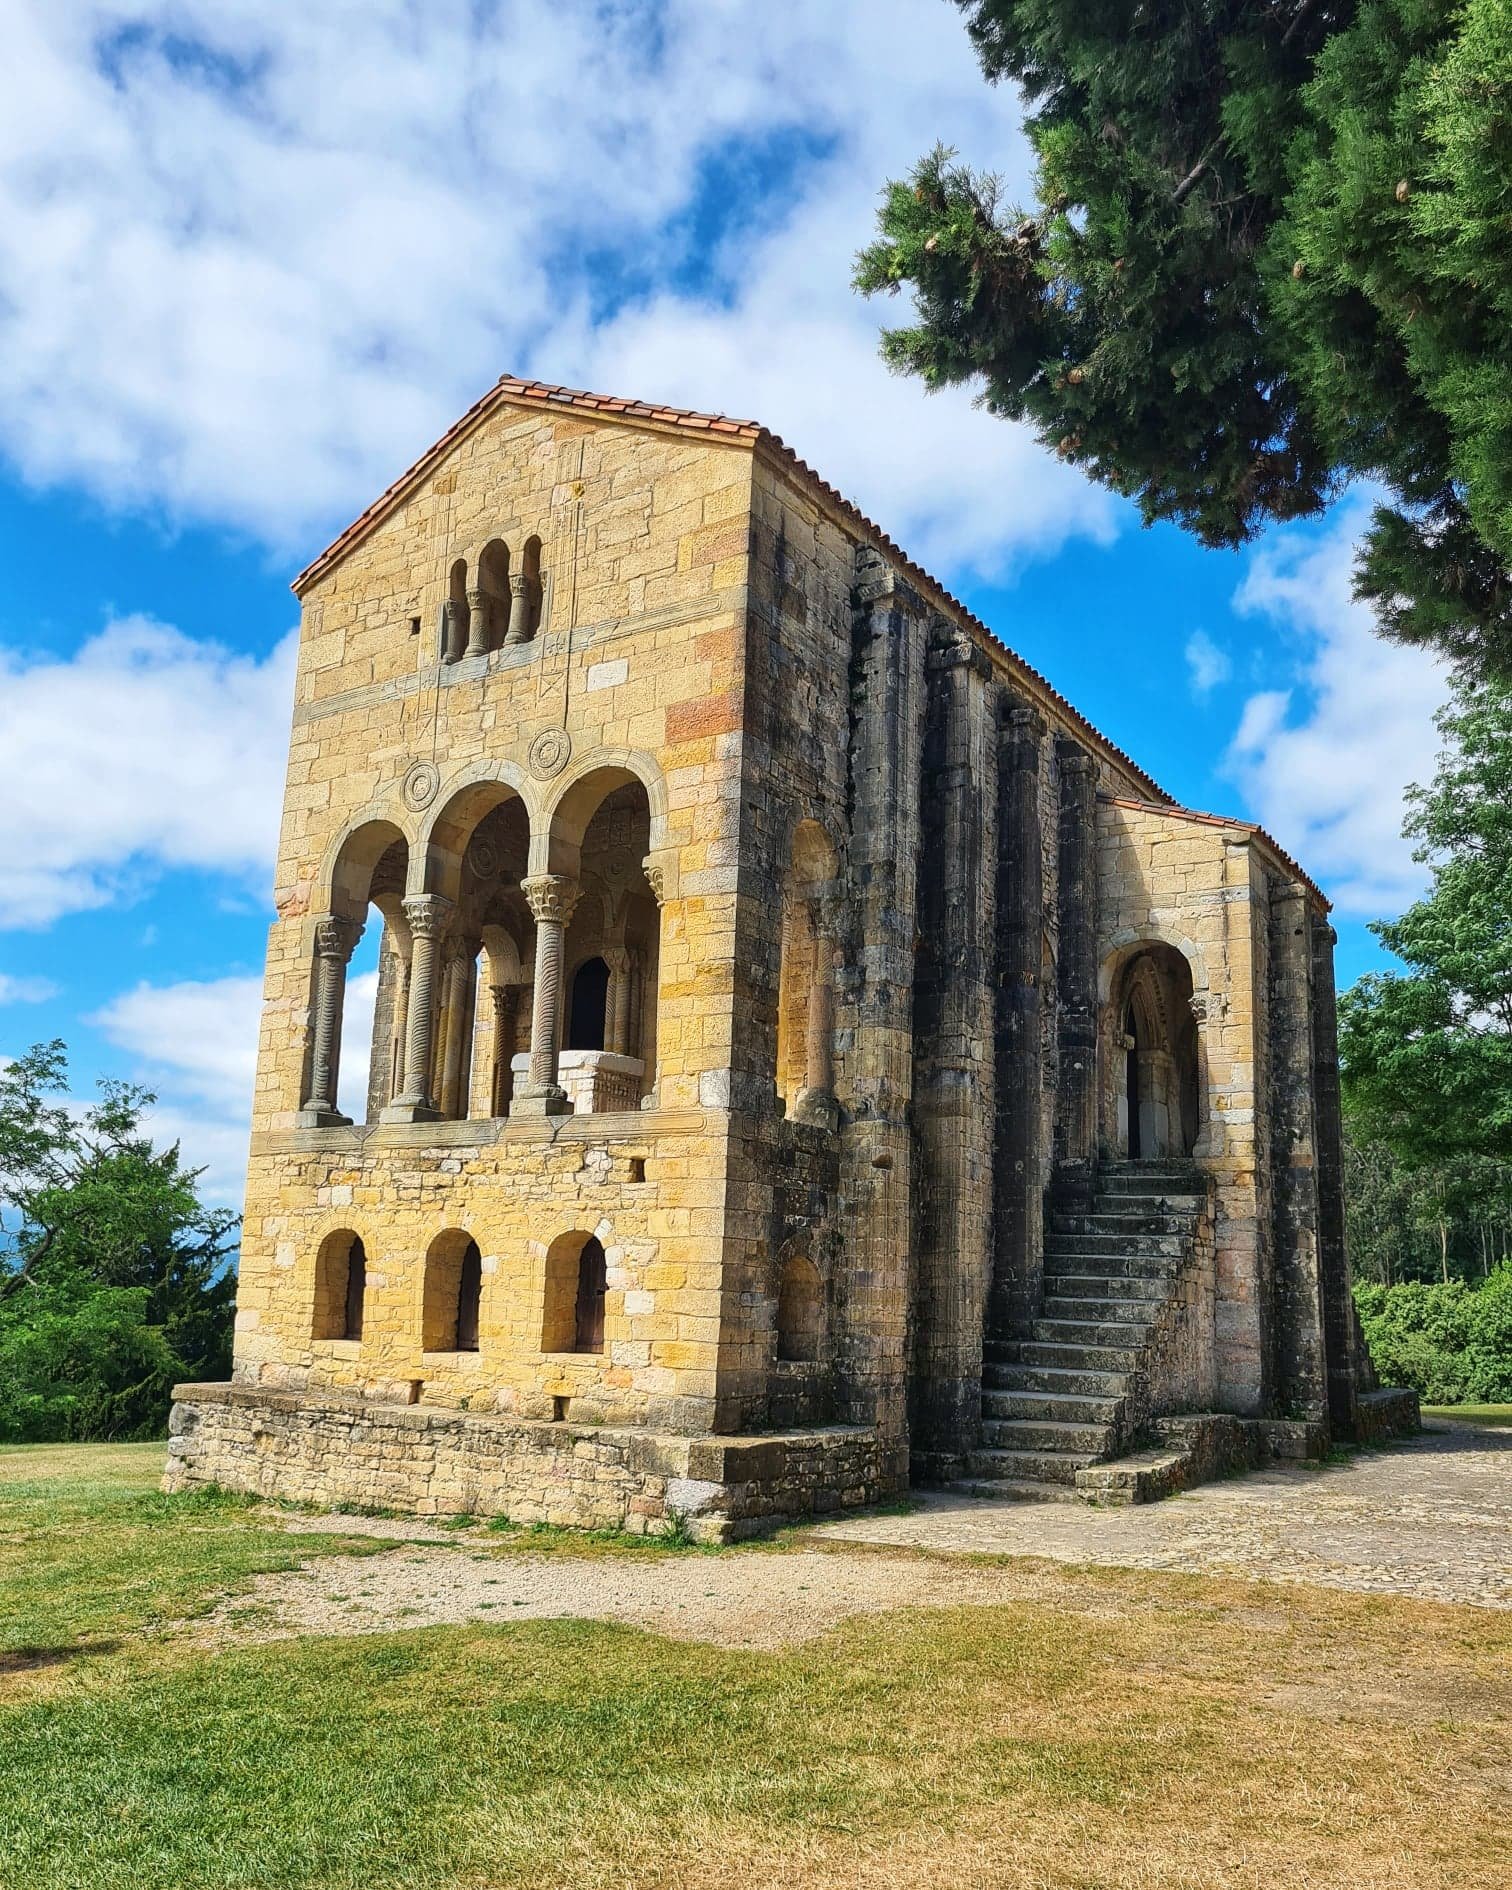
1152, 1087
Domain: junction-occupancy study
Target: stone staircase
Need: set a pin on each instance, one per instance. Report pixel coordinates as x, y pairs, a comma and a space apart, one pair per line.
1075, 1392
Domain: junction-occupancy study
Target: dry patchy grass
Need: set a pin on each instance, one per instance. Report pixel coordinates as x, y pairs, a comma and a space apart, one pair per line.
1113, 1728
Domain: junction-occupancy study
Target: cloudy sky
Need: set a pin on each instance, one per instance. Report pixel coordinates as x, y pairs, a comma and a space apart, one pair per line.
256, 254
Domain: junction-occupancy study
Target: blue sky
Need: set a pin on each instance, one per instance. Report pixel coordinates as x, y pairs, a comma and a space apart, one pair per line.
254, 257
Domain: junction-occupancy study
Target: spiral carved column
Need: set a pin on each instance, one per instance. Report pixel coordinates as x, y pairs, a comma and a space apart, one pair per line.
335, 941
519, 609
479, 613
427, 914
552, 898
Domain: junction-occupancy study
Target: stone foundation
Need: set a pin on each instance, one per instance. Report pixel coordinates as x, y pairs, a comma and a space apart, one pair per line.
437, 1462
1384, 1414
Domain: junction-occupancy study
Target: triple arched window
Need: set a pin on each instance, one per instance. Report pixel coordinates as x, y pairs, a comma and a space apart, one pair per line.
497, 601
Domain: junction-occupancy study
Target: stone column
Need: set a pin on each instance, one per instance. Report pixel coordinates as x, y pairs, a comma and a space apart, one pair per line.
1299, 1380
335, 941
504, 998
552, 898
1018, 1181
617, 1004
661, 878
1076, 1108
815, 1102
479, 608
519, 608
1339, 1331
456, 1059
427, 914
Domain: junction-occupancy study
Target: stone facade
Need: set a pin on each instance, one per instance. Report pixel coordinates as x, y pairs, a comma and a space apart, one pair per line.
767, 955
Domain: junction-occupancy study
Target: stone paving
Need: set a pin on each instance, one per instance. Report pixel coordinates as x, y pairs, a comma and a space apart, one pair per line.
1431, 1518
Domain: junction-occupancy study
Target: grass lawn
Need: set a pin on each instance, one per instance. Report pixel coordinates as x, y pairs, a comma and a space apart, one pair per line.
1499, 1415
1144, 1731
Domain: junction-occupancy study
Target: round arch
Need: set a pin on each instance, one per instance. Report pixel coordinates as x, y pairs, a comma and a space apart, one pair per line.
556, 839
1152, 1087
470, 796
346, 872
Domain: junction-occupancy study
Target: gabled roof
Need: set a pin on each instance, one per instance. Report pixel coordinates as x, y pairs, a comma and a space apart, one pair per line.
510, 391
1172, 812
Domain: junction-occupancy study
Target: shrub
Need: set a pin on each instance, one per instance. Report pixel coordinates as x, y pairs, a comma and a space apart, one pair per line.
1451, 1343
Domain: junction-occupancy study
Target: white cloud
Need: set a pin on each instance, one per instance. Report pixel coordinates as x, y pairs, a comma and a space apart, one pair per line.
255, 255
25, 990
143, 750
195, 1044
1207, 664
1324, 761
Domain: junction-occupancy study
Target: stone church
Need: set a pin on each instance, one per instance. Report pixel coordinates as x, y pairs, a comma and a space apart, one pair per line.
807, 1056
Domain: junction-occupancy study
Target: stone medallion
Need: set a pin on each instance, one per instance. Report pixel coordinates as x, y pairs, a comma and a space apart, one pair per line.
549, 753
420, 785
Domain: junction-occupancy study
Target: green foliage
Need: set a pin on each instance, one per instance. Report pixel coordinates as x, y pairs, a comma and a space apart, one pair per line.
1427, 1053
114, 1277
1271, 250
1450, 1342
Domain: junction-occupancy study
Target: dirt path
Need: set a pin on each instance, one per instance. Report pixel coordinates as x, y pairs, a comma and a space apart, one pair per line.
1431, 1518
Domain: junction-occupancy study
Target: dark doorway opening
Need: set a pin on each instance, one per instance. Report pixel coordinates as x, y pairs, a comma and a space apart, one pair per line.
590, 1005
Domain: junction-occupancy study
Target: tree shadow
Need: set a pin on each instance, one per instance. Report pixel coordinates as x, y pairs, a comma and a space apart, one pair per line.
15, 1660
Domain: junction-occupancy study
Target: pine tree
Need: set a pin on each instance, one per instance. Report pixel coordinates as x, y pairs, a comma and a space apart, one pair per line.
1271, 252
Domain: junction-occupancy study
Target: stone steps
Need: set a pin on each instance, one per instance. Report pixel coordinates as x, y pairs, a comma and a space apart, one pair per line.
1109, 1286
1030, 1466
1053, 1404
1061, 1407
1060, 1435
1055, 1381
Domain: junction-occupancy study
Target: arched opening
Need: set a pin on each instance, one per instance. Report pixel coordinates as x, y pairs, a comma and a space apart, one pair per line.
590, 998
534, 588
1157, 1092
358, 976
457, 617
800, 1312
492, 596
476, 857
576, 1291
340, 1286
805, 1023
453, 1293
600, 835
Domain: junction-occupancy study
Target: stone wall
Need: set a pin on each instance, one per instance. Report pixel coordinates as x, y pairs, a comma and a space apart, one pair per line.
367, 1454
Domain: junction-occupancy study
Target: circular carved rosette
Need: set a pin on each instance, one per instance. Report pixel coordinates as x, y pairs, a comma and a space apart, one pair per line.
549, 753
421, 785
483, 859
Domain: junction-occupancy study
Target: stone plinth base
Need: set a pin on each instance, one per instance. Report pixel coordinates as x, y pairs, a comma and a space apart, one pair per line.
1389, 1412
337, 1451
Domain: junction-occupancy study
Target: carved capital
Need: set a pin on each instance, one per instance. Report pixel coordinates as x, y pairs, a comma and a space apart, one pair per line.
428, 914
617, 958
655, 869
552, 897
336, 938
1209, 1007
519, 586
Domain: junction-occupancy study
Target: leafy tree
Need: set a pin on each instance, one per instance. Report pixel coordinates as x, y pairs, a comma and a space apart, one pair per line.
1270, 251
1427, 1053
114, 1277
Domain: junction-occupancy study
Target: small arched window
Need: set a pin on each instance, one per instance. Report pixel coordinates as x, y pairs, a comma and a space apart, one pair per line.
469, 1298
457, 617
800, 1311
589, 1007
340, 1286
576, 1282
535, 593
453, 1293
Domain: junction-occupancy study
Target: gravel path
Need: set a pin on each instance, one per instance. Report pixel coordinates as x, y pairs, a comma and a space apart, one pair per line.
1430, 1518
